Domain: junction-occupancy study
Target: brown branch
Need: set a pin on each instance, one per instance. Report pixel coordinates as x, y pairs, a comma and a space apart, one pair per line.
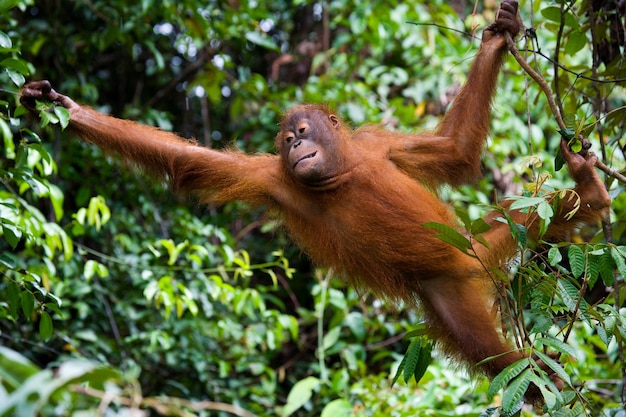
555, 110
164, 406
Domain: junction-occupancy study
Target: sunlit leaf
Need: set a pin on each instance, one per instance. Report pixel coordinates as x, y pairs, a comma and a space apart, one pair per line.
300, 394
337, 408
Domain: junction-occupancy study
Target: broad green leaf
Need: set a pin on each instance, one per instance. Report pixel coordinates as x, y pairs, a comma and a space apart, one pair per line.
45, 326
464, 217
525, 202
400, 370
567, 134
412, 358
571, 122
63, 115
7, 135
261, 40
424, 361
479, 226
554, 365
5, 40
576, 260
513, 394
575, 42
14, 64
12, 234
301, 392
555, 14
28, 304
337, 408
592, 269
571, 296
507, 374
15, 368
554, 255
607, 268
356, 324
15, 76
331, 337
544, 210
449, 235
559, 162
618, 257
520, 234
556, 344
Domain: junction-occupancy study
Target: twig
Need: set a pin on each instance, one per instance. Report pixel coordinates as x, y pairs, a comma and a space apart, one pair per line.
165, 406
555, 110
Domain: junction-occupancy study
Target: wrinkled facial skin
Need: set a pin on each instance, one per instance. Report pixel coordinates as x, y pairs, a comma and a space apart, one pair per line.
308, 146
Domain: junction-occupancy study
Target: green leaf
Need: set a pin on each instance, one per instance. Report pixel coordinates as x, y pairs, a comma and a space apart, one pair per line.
356, 324
12, 234
544, 210
554, 256
464, 217
7, 136
400, 370
17, 65
575, 42
331, 338
15, 368
424, 361
15, 76
507, 374
592, 269
570, 295
301, 392
519, 233
554, 365
577, 260
618, 257
556, 344
525, 202
5, 40
45, 326
513, 394
337, 408
63, 115
479, 226
449, 235
567, 134
555, 14
571, 122
559, 161
412, 358
28, 304
261, 40
607, 268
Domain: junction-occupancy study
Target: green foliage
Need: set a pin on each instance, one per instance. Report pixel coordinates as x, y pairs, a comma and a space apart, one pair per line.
30, 391
416, 360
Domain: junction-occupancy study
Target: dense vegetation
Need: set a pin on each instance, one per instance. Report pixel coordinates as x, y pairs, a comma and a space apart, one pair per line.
116, 296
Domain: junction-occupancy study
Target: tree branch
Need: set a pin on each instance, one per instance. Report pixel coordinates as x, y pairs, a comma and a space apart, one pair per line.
555, 110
